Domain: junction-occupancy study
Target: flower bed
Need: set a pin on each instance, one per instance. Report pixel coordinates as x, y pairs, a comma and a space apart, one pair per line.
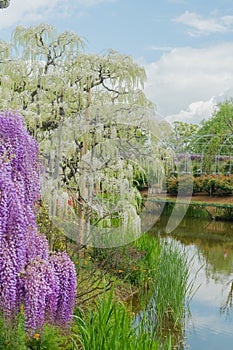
217, 185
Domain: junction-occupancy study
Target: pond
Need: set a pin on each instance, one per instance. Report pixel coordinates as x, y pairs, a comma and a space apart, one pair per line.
210, 246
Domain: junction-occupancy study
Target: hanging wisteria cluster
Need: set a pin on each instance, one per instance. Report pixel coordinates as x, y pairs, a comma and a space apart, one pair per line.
44, 283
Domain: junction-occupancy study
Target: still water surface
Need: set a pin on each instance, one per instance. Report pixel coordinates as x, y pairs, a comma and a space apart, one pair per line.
210, 245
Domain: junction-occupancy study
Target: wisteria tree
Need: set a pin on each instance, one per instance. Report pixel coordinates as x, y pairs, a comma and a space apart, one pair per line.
43, 283
59, 80
76, 105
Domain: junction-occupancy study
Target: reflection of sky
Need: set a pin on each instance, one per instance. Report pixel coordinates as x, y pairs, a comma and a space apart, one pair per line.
209, 246
207, 328
210, 291
209, 331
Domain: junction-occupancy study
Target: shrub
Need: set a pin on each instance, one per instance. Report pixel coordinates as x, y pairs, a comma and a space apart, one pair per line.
182, 184
211, 184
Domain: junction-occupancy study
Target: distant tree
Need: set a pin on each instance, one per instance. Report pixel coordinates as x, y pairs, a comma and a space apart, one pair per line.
181, 136
221, 122
213, 135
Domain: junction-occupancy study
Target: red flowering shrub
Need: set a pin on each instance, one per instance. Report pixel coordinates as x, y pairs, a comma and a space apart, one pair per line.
219, 185
182, 184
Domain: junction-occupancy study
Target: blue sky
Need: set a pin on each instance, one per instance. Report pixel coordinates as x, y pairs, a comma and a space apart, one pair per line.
186, 47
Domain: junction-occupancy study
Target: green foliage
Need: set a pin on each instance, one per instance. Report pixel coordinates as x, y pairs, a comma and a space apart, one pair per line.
169, 291
51, 339
217, 185
56, 238
12, 336
221, 122
15, 337
181, 136
127, 263
140, 180
212, 138
134, 263
111, 327
151, 248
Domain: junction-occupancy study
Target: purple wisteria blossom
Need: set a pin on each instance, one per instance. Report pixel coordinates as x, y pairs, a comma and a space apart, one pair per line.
45, 284
65, 271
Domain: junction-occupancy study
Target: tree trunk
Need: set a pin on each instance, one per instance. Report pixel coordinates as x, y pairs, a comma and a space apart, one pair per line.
83, 210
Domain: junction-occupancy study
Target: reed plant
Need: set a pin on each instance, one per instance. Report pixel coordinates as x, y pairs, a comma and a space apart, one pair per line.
172, 291
148, 266
111, 326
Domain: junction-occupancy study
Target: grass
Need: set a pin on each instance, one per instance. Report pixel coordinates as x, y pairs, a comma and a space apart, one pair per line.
162, 280
172, 292
170, 289
111, 327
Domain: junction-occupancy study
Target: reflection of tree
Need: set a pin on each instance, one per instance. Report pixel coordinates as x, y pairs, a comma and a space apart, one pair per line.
215, 248
225, 308
213, 241
218, 262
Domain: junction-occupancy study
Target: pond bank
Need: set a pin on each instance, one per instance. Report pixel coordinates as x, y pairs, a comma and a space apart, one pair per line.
213, 208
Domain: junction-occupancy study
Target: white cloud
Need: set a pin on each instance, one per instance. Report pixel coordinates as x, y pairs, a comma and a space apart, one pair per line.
159, 48
200, 25
196, 112
185, 80
199, 110
28, 11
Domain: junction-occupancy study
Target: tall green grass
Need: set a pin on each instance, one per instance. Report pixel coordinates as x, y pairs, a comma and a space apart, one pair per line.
169, 287
172, 292
148, 267
110, 327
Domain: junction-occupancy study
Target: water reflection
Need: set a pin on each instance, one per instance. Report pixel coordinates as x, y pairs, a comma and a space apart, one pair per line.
211, 246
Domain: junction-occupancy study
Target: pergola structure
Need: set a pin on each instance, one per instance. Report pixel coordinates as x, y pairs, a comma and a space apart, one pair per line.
215, 150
